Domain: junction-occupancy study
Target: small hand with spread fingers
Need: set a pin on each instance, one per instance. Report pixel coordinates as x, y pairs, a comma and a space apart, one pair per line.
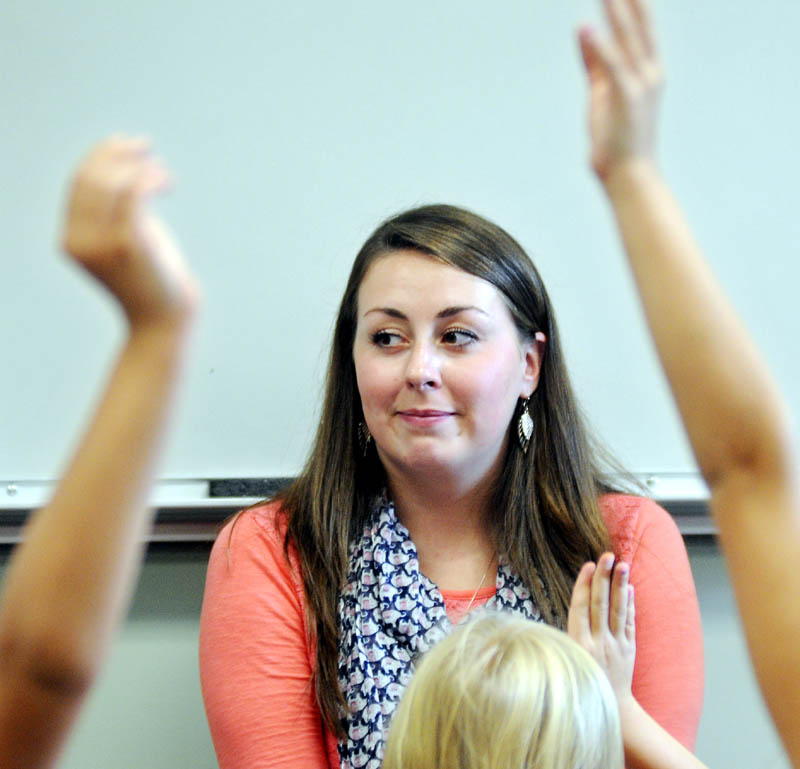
625, 83
602, 619
109, 230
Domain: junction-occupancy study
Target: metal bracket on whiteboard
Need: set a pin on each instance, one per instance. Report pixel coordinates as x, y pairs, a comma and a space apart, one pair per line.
193, 510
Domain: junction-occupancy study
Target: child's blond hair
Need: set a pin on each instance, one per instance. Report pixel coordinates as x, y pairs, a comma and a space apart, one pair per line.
506, 693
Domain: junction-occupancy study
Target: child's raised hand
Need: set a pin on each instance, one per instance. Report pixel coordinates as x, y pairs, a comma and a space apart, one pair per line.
110, 232
625, 81
601, 619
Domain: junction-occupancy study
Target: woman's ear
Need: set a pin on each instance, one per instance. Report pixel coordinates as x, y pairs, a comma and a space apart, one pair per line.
533, 356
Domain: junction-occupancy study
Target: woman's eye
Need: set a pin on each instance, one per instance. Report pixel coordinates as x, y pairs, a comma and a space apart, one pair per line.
386, 339
459, 337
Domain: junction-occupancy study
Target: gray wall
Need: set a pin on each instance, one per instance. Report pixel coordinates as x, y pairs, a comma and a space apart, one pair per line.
146, 712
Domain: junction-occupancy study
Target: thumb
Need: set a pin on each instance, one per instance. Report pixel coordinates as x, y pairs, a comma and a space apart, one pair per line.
592, 59
578, 622
601, 60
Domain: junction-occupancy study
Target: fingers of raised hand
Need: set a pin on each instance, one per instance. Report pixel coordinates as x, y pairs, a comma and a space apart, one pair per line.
628, 58
110, 232
632, 33
601, 585
600, 59
602, 603
625, 31
106, 194
644, 26
630, 619
110, 171
618, 611
578, 620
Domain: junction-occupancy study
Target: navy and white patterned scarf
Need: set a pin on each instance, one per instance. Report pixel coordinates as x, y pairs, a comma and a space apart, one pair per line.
389, 615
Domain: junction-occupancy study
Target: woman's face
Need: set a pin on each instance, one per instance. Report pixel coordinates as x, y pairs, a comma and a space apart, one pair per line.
440, 366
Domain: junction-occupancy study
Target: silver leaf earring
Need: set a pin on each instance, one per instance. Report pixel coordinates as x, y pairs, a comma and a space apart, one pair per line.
364, 437
525, 427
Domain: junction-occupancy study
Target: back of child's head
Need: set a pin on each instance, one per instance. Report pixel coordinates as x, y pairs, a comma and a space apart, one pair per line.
506, 693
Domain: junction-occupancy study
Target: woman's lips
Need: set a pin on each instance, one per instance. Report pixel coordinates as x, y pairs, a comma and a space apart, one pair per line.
424, 416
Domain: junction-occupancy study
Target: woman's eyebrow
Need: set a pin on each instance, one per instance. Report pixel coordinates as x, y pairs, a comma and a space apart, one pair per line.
447, 312
390, 311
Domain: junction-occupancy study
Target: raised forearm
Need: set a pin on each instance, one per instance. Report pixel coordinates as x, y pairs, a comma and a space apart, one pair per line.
729, 403
736, 423
70, 580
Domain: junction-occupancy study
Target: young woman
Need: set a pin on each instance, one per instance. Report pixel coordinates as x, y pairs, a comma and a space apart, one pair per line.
67, 585
450, 470
730, 406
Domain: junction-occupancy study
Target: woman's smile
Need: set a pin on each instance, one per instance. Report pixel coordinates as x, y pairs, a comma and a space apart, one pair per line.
425, 417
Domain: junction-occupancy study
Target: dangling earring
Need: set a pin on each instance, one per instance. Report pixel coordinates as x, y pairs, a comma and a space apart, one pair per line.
525, 427
364, 437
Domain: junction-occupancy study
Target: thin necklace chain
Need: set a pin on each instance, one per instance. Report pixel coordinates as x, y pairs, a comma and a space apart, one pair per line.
480, 585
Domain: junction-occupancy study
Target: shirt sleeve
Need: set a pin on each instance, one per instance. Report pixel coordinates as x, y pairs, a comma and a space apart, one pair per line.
255, 669
669, 672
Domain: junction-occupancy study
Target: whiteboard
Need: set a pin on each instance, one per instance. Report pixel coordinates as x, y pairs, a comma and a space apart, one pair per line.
294, 128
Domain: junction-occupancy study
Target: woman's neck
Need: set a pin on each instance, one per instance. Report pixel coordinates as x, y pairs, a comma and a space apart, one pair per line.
450, 527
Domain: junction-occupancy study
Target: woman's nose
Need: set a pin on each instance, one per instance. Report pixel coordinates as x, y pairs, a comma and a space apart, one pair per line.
423, 368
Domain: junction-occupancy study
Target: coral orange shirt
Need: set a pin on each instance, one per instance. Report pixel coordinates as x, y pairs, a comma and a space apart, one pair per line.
256, 659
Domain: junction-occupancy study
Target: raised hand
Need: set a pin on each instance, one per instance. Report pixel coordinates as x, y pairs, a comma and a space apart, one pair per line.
110, 232
54, 632
602, 619
625, 83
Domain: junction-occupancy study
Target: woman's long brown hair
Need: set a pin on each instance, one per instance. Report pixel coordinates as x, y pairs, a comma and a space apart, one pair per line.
547, 522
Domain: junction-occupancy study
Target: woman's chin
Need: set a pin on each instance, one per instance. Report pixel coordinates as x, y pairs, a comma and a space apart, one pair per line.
423, 460
435, 462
